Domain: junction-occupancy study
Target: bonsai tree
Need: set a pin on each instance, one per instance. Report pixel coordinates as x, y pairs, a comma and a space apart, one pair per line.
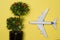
14, 24
18, 9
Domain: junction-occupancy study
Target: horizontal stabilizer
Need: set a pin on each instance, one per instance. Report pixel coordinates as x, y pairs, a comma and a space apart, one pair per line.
54, 23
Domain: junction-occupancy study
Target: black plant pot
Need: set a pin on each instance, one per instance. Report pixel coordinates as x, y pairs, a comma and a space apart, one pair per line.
16, 35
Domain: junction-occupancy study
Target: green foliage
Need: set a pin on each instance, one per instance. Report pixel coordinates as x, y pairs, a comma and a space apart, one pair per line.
19, 8
14, 24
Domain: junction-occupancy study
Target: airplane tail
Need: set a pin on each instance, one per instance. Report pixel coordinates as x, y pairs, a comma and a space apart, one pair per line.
54, 23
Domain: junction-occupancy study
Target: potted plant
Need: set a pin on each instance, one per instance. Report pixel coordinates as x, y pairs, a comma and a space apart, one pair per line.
15, 24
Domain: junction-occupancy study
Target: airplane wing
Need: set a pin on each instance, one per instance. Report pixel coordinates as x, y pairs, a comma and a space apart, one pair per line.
42, 30
41, 18
40, 26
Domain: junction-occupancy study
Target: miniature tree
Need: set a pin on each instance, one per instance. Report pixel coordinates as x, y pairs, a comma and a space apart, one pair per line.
18, 9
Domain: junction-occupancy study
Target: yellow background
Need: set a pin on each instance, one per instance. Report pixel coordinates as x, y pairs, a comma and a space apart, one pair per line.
31, 32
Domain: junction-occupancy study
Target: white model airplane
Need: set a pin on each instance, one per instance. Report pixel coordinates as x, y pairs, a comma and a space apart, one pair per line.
40, 22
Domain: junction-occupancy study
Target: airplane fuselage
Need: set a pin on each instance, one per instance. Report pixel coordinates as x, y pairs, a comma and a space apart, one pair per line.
42, 22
